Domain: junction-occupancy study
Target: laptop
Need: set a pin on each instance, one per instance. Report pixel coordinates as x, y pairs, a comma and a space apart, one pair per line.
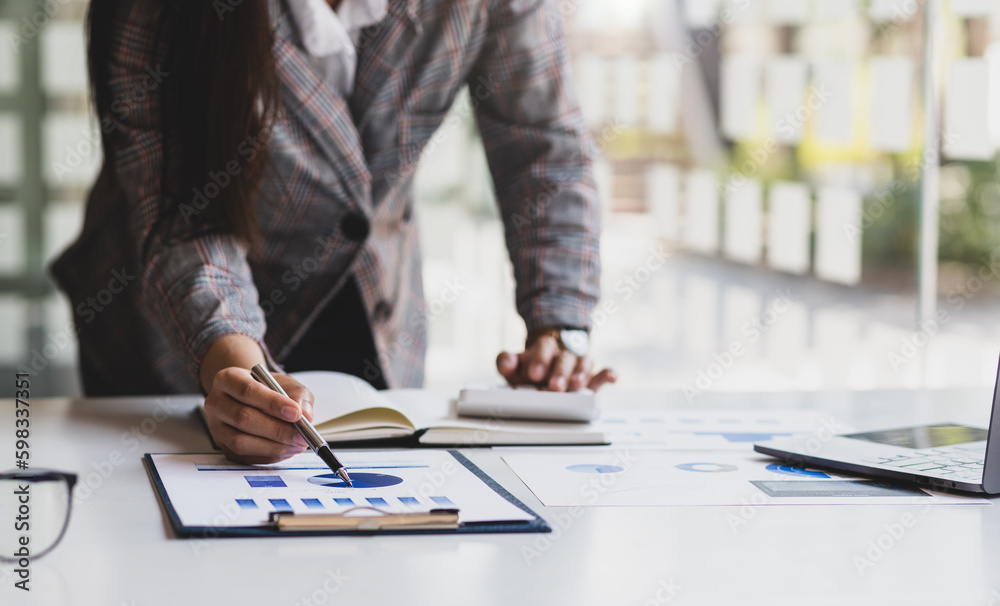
945, 456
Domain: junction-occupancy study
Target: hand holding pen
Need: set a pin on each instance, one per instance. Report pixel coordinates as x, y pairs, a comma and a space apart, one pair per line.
305, 428
249, 421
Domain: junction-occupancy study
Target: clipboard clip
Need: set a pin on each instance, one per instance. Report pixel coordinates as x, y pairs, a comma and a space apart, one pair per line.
435, 519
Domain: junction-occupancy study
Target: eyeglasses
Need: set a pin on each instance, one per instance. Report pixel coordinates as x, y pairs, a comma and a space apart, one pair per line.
35, 508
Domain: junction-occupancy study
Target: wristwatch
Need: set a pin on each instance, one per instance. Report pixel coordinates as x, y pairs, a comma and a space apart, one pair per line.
574, 340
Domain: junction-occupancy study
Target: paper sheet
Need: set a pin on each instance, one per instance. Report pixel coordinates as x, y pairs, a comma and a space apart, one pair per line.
701, 211
741, 12
744, 224
210, 490
711, 429
663, 198
838, 239
893, 10
787, 12
967, 110
789, 227
740, 91
663, 94
833, 121
629, 477
701, 14
787, 111
890, 89
592, 84
970, 8
626, 90
825, 11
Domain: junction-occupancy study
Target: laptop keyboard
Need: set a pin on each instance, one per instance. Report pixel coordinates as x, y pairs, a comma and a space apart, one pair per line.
960, 462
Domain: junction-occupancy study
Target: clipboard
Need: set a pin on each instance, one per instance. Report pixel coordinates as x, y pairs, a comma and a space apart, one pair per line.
285, 524
435, 519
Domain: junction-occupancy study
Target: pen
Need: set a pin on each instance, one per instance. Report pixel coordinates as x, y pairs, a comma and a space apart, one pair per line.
309, 433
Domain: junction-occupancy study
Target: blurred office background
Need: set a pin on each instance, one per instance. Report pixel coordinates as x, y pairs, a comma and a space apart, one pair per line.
774, 151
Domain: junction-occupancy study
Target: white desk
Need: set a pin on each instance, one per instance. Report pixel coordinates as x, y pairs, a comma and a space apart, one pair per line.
119, 549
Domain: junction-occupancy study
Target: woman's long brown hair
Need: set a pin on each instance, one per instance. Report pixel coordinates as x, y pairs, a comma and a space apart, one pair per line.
217, 102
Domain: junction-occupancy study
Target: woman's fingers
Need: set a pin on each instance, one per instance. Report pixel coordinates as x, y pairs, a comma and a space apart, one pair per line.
559, 374
507, 364
255, 422
536, 362
247, 448
241, 386
298, 392
602, 378
252, 423
581, 374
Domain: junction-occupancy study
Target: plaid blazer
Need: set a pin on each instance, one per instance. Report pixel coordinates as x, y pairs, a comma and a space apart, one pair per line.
150, 298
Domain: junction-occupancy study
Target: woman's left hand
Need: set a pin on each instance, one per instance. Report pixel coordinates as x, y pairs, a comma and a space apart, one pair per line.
550, 367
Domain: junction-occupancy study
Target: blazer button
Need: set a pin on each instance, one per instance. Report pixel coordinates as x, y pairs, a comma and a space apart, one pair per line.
382, 311
354, 226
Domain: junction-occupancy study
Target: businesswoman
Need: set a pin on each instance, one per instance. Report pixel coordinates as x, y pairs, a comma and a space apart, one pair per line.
256, 196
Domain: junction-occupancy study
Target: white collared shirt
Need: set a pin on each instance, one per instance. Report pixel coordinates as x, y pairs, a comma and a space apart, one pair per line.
331, 37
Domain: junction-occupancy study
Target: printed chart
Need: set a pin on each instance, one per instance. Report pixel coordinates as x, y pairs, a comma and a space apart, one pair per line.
655, 477
209, 490
712, 429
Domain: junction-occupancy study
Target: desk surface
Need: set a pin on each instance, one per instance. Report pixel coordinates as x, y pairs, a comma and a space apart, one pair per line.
120, 550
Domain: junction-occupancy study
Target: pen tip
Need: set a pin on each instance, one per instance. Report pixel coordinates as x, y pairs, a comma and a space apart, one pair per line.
346, 478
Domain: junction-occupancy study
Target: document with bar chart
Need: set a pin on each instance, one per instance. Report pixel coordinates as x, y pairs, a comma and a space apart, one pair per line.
206, 494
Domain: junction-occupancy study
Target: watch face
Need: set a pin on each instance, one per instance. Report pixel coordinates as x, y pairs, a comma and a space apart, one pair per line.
577, 342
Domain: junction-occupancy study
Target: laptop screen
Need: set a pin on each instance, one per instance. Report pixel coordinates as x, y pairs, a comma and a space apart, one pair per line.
928, 436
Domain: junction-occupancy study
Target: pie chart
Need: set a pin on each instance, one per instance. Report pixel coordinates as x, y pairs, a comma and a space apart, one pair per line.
707, 467
360, 480
594, 468
788, 470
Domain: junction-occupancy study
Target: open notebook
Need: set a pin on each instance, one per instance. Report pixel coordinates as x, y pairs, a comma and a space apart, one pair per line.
347, 409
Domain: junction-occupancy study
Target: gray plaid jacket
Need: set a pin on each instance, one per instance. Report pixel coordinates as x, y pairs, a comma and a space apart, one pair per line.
340, 202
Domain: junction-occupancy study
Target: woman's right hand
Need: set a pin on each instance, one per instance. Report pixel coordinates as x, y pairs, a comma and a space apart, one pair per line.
250, 422
253, 424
